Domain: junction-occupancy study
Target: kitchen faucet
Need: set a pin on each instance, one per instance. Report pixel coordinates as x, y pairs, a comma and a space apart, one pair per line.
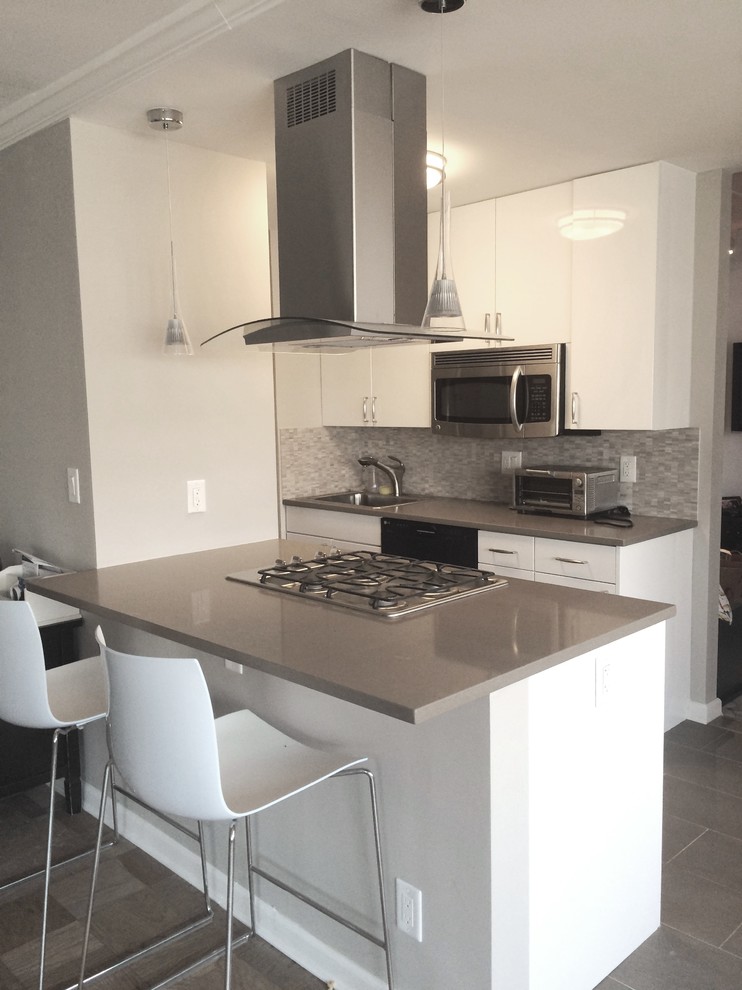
394, 471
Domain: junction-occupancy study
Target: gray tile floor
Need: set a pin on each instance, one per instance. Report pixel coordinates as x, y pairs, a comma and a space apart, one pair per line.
698, 947
137, 898
699, 944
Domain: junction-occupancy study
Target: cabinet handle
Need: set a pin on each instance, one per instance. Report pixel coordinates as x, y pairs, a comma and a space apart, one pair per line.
488, 324
575, 408
365, 409
571, 560
373, 408
497, 550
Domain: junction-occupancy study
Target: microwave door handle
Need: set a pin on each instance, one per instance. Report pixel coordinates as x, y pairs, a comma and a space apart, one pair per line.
513, 394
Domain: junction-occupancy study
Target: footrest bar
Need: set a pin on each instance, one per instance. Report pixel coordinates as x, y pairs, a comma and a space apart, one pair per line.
141, 953
369, 936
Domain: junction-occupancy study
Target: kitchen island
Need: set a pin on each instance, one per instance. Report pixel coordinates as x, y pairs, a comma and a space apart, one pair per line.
517, 735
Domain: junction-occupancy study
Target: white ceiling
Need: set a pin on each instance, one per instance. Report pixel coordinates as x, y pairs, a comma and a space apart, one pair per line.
536, 91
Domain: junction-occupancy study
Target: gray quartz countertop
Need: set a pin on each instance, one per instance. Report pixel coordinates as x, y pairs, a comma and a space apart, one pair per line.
410, 668
500, 518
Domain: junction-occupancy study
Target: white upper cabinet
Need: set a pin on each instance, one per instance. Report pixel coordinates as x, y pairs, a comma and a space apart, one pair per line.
622, 302
472, 244
632, 296
380, 386
533, 271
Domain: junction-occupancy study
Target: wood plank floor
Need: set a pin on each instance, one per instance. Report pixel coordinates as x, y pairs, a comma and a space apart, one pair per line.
137, 898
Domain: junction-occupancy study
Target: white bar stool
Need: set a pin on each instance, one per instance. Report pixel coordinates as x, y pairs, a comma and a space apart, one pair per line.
61, 699
174, 756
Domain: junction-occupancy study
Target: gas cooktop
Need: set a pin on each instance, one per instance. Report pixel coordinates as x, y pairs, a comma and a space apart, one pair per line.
382, 584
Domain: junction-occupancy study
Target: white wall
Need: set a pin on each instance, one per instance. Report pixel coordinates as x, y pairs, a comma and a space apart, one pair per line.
157, 421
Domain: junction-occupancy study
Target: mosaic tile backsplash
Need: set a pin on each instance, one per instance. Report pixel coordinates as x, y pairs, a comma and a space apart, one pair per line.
325, 459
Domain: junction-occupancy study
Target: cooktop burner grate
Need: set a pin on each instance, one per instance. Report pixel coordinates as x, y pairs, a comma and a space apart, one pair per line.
380, 583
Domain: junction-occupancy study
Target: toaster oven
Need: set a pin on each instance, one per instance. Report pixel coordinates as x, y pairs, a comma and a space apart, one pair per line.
565, 491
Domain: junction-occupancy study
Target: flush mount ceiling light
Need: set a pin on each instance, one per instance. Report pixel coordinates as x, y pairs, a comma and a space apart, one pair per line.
587, 225
435, 168
443, 310
176, 343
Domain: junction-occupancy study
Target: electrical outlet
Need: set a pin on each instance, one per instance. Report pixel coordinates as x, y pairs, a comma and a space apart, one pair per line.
409, 909
196, 496
510, 460
627, 469
602, 682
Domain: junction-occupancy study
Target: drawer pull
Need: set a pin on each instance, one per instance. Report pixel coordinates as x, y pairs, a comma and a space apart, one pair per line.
571, 560
496, 550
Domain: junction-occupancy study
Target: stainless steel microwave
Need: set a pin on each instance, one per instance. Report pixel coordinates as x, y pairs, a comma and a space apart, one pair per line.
498, 392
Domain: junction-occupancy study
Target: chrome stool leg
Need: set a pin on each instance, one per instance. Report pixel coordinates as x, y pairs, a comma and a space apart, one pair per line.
383, 942
48, 866
110, 785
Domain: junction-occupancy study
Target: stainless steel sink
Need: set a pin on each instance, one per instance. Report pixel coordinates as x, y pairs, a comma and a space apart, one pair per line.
365, 498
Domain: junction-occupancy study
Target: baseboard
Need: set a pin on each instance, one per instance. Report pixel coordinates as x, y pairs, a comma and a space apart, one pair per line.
704, 712
295, 942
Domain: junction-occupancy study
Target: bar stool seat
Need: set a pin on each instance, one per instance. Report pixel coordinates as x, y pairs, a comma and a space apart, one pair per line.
172, 754
62, 699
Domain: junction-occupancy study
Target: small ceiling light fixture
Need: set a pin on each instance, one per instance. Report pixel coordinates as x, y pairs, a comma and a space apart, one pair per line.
435, 168
587, 225
177, 342
443, 310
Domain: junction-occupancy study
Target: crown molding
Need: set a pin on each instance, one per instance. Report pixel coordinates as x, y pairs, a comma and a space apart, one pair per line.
192, 25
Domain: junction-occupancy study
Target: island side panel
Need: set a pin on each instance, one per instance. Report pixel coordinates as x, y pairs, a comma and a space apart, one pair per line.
577, 816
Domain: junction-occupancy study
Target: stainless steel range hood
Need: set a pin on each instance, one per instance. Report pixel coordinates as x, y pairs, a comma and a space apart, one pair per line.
352, 209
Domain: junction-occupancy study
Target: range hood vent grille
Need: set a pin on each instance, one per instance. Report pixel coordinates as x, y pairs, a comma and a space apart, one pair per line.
311, 98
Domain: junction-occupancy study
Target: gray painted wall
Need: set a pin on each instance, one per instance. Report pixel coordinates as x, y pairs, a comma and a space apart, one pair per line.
43, 405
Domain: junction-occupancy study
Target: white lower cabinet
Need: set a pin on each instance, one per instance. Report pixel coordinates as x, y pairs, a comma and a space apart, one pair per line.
658, 570
355, 531
535, 558
508, 554
578, 565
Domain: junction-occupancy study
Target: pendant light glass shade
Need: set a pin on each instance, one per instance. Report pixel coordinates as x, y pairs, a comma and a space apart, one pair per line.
444, 309
177, 343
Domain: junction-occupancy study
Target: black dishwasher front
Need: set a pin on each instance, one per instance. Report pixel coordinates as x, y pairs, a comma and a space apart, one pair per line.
429, 541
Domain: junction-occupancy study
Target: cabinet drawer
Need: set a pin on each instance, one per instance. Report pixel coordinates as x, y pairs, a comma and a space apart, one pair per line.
335, 526
589, 561
506, 550
506, 572
567, 582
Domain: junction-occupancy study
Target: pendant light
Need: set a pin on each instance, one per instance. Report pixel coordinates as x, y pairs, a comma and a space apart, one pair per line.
176, 343
443, 310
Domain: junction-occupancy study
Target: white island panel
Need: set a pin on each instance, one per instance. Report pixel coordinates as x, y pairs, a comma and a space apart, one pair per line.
576, 791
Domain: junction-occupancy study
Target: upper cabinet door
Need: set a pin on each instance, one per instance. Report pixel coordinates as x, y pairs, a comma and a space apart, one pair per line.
533, 290
472, 243
629, 361
401, 385
379, 386
346, 388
